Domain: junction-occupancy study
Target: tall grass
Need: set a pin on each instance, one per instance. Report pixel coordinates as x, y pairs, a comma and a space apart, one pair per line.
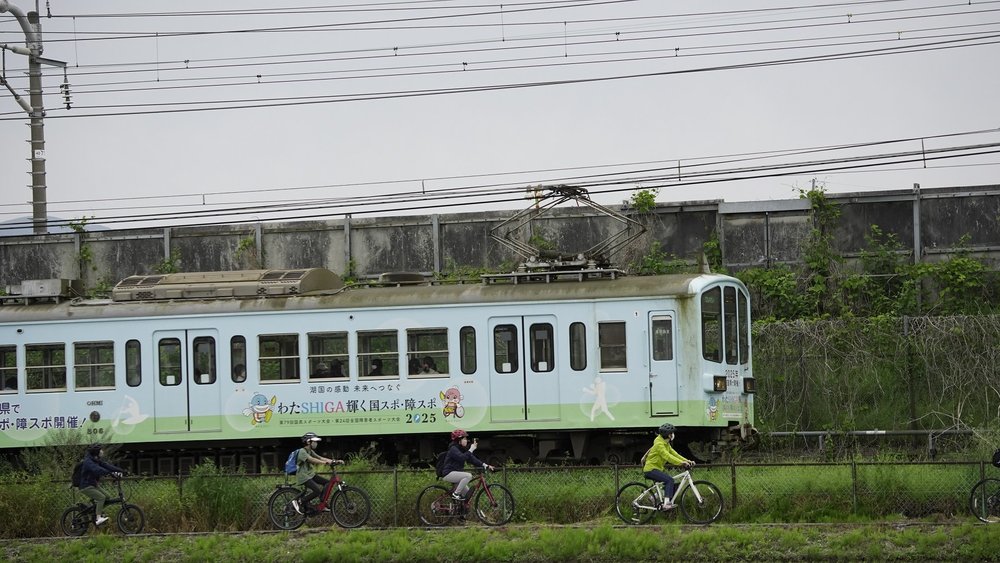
213, 499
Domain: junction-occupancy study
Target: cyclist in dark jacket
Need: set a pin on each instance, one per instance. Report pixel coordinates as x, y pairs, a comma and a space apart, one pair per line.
460, 452
90, 476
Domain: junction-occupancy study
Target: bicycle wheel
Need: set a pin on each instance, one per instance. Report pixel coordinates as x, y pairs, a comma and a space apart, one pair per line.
635, 504
351, 507
75, 520
131, 519
434, 505
280, 510
985, 500
498, 511
705, 511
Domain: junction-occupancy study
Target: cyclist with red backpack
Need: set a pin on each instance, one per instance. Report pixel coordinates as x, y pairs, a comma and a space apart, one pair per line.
307, 459
460, 452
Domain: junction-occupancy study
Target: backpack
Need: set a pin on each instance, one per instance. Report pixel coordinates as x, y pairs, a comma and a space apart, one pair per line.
439, 464
291, 464
75, 479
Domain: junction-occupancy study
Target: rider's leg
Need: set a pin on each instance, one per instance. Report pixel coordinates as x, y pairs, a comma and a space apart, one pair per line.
668, 486
461, 480
98, 496
315, 488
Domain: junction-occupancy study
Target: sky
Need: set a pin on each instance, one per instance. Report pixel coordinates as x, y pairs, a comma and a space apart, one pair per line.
187, 112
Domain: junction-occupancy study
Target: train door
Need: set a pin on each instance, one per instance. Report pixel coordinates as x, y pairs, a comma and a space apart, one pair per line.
187, 395
524, 379
662, 364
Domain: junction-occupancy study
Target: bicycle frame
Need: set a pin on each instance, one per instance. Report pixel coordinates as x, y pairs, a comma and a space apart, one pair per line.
685, 481
479, 482
335, 482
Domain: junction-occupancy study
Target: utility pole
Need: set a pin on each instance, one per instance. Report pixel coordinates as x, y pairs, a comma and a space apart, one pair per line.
32, 28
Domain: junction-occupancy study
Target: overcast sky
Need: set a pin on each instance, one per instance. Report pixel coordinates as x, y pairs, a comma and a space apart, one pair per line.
312, 109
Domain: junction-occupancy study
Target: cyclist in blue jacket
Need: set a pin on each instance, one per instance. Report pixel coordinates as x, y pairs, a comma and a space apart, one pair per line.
460, 452
90, 475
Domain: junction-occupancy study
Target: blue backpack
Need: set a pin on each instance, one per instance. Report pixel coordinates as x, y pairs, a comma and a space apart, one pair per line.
291, 464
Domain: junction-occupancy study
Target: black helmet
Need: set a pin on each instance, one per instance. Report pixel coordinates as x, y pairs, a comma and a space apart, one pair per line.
666, 429
310, 437
94, 450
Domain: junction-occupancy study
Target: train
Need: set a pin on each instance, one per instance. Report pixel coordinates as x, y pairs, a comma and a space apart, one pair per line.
577, 365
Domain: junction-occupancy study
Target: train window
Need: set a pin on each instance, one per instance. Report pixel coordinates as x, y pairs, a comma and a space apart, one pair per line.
45, 367
328, 355
611, 340
8, 369
744, 328
505, 348
730, 333
711, 325
578, 346
467, 349
204, 368
279, 357
94, 364
133, 364
427, 350
170, 361
238, 358
378, 354
542, 347
663, 339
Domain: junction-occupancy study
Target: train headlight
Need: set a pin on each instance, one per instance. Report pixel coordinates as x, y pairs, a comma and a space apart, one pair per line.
749, 385
719, 383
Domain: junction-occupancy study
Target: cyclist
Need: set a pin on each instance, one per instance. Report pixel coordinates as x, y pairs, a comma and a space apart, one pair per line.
658, 456
307, 459
459, 452
90, 475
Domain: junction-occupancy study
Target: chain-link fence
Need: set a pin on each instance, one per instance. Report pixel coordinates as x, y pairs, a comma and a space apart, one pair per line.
800, 492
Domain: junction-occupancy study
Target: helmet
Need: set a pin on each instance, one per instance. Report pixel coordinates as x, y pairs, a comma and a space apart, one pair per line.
666, 429
94, 449
310, 437
457, 435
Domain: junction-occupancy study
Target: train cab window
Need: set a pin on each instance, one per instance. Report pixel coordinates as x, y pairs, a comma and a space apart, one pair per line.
238, 358
743, 307
45, 367
169, 353
730, 333
427, 352
378, 354
8, 369
328, 355
133, 364
94, 365
611, 341
279, 357
467, 349
204, 360
542, 347
711, 325
578, 346
663, 339
505, 348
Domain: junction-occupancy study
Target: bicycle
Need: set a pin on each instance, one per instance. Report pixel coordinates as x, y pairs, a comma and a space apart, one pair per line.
699, 501
493, 503
984, 501
77, 518
350, 506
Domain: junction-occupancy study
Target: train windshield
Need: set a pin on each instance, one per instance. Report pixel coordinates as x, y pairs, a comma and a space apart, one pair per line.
725, 326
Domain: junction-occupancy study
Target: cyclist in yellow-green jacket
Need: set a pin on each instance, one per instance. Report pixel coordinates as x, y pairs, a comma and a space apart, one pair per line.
658, 457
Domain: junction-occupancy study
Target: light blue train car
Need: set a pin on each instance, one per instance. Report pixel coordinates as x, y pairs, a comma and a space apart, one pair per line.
236, 365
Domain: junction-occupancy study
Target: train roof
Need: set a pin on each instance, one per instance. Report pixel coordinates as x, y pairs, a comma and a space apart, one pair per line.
338, 297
